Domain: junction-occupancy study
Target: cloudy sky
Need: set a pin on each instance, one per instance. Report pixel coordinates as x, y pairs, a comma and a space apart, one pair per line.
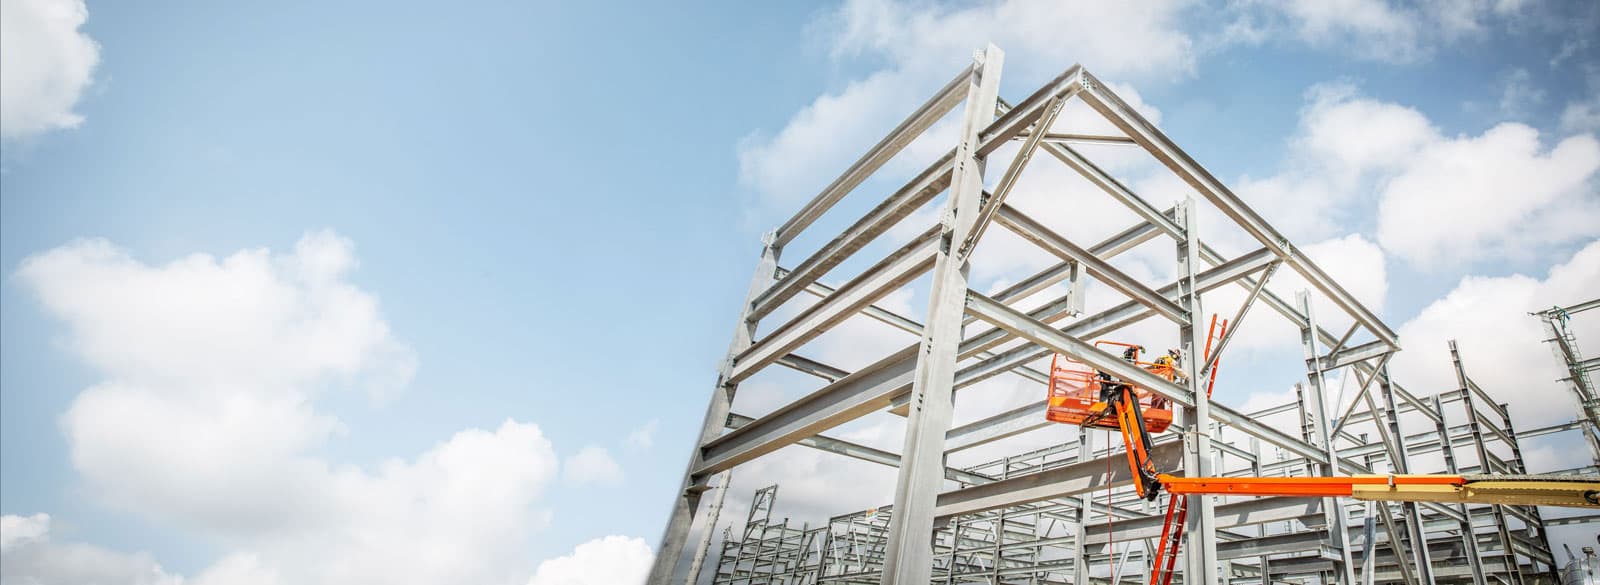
312, 293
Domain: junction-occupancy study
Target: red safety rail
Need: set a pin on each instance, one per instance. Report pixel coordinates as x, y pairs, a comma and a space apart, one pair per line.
1074, 398
1296, 486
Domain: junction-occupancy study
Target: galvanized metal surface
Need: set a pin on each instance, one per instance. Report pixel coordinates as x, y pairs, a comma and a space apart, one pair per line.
1028, 517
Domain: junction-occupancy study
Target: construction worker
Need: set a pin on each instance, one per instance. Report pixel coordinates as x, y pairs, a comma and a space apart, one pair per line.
1168, 365
1111, 387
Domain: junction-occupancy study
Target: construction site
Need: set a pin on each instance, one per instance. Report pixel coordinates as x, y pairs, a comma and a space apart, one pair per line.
1356, 479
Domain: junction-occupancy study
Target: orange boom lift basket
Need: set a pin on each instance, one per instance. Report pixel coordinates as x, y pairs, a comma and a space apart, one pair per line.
1075, 395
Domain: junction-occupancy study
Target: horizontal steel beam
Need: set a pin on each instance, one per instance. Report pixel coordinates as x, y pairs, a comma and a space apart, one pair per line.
864, 391
1298, 319
1130, 122
1578, 308
1068, 480
1052, 242
862, 452
1100, 178
913, 126
807, 365
990, 202
1069, 138
1059, 342
1276, 544
876, 386
916, 193
1566, 426
1244, 513
893, 272
1014, 121
1012, 422
1021, 325
874, 312
1570, 520
1351, 355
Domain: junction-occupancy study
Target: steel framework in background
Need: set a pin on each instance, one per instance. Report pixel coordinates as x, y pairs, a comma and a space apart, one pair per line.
1027, 518
1565, 345
1259, 540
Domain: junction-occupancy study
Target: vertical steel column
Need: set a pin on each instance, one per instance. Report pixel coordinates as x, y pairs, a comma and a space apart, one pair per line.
1338, 522
1510, 550
687, 500
1080, 531
1468, 537
1415, 530
1200, 532
909, 559
1522, 468
1369, 548
1261, 530
1000, 526
710, 526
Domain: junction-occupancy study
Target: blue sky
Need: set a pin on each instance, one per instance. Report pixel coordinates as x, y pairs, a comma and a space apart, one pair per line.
548, 214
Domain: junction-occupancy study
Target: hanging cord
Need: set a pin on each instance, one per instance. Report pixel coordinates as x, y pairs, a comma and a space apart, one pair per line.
1111, 541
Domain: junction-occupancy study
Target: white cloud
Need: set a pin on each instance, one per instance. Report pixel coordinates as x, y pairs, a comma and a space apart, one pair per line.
211, 370
1490, 196
1353, 261
612, 560
1145, 41
923, 45
1392, 34
592, 465
1380, 30
261, 319
644, 437
1501, 344
15, 530
1343, 143
1520, 95
1581, 115
1551, 458
45, 64
29, 556
1441, 200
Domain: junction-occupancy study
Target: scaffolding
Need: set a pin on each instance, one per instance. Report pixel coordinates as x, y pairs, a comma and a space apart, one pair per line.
1062, 514
1289, 537
1565, 346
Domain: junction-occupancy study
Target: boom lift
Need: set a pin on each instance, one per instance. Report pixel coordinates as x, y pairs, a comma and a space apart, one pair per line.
1080, 395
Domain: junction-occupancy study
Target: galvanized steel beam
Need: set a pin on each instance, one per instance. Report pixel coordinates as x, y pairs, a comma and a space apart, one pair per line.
908, 556
913, 126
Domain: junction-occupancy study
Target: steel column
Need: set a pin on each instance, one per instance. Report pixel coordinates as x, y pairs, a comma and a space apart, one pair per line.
909, 558
685, 502
1415, 530
1200, 534
1338, 523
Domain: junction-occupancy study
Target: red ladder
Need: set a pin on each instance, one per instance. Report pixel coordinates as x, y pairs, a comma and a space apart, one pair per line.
1171, 535
1213, 334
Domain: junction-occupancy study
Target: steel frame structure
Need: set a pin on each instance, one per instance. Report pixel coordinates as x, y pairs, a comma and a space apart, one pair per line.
1565, 347
1260, 540
933, 533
